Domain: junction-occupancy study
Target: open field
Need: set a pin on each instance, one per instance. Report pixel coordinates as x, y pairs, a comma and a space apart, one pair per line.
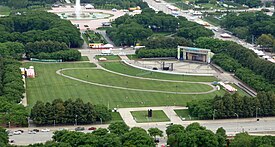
84, 58
142, 116
106, 78
184, 114
116, 117
4, 10
108, 57
125, 69
48, 86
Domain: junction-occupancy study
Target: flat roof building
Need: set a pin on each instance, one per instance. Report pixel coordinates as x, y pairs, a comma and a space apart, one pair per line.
194, 54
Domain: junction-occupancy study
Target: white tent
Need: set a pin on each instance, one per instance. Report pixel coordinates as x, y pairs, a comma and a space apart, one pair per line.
89, 6
108, 46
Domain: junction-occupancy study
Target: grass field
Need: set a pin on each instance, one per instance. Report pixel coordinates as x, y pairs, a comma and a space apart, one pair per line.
84, 58
4, 10
123, 68
48, 86
158, 116
116, 117
109, 57
184, 114
103, 77
132, 57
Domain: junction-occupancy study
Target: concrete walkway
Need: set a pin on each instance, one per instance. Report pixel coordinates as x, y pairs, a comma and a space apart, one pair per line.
169, 111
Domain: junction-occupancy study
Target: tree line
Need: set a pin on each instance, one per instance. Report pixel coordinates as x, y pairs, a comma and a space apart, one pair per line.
118, 4
130, 30
51, 50
68, 112
248, 25
40, 35
11, 93
261, 71
15, 4
234, 106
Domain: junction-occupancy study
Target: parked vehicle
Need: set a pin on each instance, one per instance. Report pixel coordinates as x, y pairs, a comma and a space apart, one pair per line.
92, 128
17, 133
36, 130
79, 128
45, 130
32, 132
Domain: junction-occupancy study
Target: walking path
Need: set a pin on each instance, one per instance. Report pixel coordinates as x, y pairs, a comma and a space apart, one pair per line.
59, 72
169, 111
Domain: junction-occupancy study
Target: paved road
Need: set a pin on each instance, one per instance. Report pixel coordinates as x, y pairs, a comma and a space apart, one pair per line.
103, 33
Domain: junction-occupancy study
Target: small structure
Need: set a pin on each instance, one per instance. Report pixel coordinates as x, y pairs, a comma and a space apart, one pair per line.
194, 54
106, 24
225, 35
30, 72
228, 87
89, 6
100, 46
102, 59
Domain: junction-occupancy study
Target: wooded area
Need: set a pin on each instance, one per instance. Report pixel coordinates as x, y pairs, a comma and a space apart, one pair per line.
68, 112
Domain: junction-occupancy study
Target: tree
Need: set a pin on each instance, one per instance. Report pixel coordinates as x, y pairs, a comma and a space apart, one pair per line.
118, 128
103, 114
221, 136
241, 140
266, 40
137, 137
3, 137
175, 128
154, 132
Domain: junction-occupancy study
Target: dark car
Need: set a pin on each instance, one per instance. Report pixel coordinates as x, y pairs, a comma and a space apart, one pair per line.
36, 130
92, 128
155, 68
79, 129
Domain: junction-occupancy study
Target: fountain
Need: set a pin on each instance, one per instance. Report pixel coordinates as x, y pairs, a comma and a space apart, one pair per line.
77, 9
78, 14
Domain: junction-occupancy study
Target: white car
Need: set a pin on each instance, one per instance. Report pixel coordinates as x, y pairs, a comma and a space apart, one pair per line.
32, 132
45, 130
17, 132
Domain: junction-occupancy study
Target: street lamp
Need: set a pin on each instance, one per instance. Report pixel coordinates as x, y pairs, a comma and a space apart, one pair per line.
257, 112
236, 115
214, 114
76, 120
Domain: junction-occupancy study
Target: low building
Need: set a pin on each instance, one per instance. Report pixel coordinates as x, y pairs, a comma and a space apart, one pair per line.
194, 54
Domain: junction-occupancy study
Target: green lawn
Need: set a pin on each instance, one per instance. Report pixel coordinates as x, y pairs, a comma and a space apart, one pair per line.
184, 114
48, 86
157, 116
85, 39
4, 10
132, 57
108, 57
84, 58
240, 91
104, 77
116, 117
123, 68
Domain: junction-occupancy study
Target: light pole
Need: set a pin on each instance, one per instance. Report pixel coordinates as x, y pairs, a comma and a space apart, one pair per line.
236, 115
257, 112
76, 120
214, 114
